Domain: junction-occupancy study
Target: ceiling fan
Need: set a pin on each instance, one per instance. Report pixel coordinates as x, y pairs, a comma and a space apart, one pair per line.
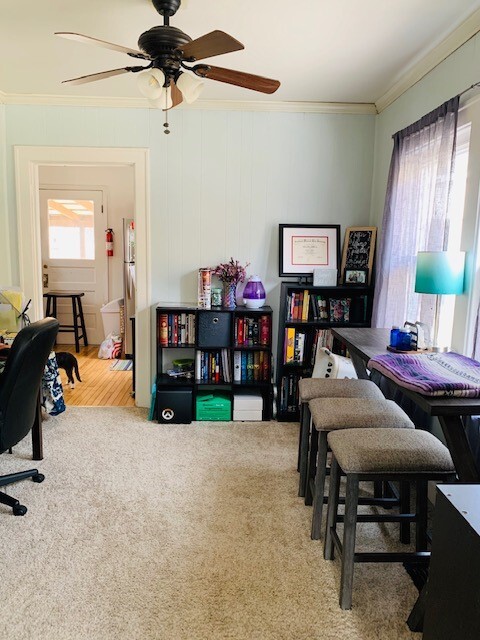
167, 49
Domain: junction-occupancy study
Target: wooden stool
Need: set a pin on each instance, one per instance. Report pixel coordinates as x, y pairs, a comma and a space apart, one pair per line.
309, 388
77, 313
387, 454
350, 413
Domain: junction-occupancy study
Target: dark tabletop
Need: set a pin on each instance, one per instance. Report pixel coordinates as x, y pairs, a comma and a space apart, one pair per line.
366, 343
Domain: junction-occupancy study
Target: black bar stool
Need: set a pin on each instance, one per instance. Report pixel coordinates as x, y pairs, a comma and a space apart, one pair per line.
77, 313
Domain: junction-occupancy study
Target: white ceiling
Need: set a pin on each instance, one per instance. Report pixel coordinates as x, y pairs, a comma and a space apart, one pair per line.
320, 50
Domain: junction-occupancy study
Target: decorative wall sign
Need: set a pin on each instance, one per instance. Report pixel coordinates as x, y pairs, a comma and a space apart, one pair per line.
359, 249
305, 247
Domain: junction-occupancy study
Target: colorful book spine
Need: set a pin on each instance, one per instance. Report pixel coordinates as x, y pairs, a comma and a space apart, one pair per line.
175, 338
255, 331
244, 367
256, 366
237, 366
249, 323
163, 330
240, 332
198, 365
250, 365
306, 302
182, 332
289, 345
265, 366
264, 330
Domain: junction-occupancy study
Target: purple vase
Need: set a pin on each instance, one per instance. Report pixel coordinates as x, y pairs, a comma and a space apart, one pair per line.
229, 295
254, 295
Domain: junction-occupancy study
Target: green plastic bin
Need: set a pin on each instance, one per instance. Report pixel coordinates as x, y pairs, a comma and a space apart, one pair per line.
213, 406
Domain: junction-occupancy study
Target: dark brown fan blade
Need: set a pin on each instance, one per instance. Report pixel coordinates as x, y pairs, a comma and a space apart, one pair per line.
239, 78
211, 44
78, 37
98, 76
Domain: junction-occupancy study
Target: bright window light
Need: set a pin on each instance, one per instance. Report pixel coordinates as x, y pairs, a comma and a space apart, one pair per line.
71, 229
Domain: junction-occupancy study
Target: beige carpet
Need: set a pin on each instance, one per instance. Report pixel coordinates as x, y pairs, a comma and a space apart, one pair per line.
182, 532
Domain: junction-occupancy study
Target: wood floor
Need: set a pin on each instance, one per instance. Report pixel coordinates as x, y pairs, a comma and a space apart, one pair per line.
100, 387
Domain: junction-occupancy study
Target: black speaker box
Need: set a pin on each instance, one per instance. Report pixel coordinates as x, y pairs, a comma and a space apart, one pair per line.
174, 406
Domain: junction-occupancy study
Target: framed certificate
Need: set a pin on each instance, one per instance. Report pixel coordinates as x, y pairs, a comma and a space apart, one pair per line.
305, 247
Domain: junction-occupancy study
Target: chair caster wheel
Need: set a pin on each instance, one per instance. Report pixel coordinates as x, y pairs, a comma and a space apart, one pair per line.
38, 478
19, 510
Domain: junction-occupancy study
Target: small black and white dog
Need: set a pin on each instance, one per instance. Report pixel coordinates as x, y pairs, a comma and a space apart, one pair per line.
68, 362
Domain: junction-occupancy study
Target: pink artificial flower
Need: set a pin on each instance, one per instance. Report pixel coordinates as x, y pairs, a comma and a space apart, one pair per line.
231, 271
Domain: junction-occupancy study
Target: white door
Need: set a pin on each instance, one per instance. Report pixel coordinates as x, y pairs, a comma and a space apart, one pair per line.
73, 227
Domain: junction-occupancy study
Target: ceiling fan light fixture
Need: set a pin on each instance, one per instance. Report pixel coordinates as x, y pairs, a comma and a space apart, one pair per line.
190, 86
150, 83
164, 101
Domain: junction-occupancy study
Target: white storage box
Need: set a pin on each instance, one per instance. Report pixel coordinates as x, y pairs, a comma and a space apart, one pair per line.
111, 317
247, 406
251, 415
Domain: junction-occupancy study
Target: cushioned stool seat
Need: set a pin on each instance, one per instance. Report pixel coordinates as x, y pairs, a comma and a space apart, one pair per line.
331, 414
309, 388
385, 451
392, 455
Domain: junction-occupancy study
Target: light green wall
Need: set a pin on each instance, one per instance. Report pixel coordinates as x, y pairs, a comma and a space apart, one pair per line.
221, 182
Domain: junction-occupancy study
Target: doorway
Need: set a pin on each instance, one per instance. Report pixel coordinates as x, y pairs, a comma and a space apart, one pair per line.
77, 206
73, 256
28, 162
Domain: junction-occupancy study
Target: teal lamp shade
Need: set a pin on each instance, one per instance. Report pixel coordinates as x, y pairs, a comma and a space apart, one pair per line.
440, 272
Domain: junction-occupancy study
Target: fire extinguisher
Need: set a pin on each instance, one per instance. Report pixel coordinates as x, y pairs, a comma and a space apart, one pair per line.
109, 242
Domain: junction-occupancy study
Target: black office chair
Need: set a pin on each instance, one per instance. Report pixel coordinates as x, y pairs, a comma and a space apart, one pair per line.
19, 388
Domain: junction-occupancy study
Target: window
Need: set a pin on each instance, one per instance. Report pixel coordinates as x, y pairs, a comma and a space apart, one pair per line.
422, 213
455, 214
71, 229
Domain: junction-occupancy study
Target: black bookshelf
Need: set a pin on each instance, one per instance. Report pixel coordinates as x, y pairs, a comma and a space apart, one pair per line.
231, 350
307, 314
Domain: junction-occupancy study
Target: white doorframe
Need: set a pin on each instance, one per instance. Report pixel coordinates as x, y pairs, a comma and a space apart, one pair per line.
27, 163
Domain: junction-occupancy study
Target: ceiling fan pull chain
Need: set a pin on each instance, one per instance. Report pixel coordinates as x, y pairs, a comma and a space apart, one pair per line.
165, 124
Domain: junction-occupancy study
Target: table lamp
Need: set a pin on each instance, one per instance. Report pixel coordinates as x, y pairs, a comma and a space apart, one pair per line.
439, 273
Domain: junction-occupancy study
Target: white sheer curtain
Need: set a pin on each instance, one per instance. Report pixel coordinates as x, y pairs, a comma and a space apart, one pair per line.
415, 215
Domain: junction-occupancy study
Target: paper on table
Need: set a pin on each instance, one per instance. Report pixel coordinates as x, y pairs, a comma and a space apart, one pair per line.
8, 318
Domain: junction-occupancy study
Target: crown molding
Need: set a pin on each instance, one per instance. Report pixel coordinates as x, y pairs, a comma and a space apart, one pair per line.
205, 105
2, 97
454, 41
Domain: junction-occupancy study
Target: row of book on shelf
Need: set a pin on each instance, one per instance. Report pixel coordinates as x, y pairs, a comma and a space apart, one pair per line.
176, 329
213, 366
289, 392
248, 366
250, 331
295, 346
312, 307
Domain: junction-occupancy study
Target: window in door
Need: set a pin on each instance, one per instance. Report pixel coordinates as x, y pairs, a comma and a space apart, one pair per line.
71, 229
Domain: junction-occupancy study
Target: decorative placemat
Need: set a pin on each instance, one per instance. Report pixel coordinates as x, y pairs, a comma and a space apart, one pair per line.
431, 374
